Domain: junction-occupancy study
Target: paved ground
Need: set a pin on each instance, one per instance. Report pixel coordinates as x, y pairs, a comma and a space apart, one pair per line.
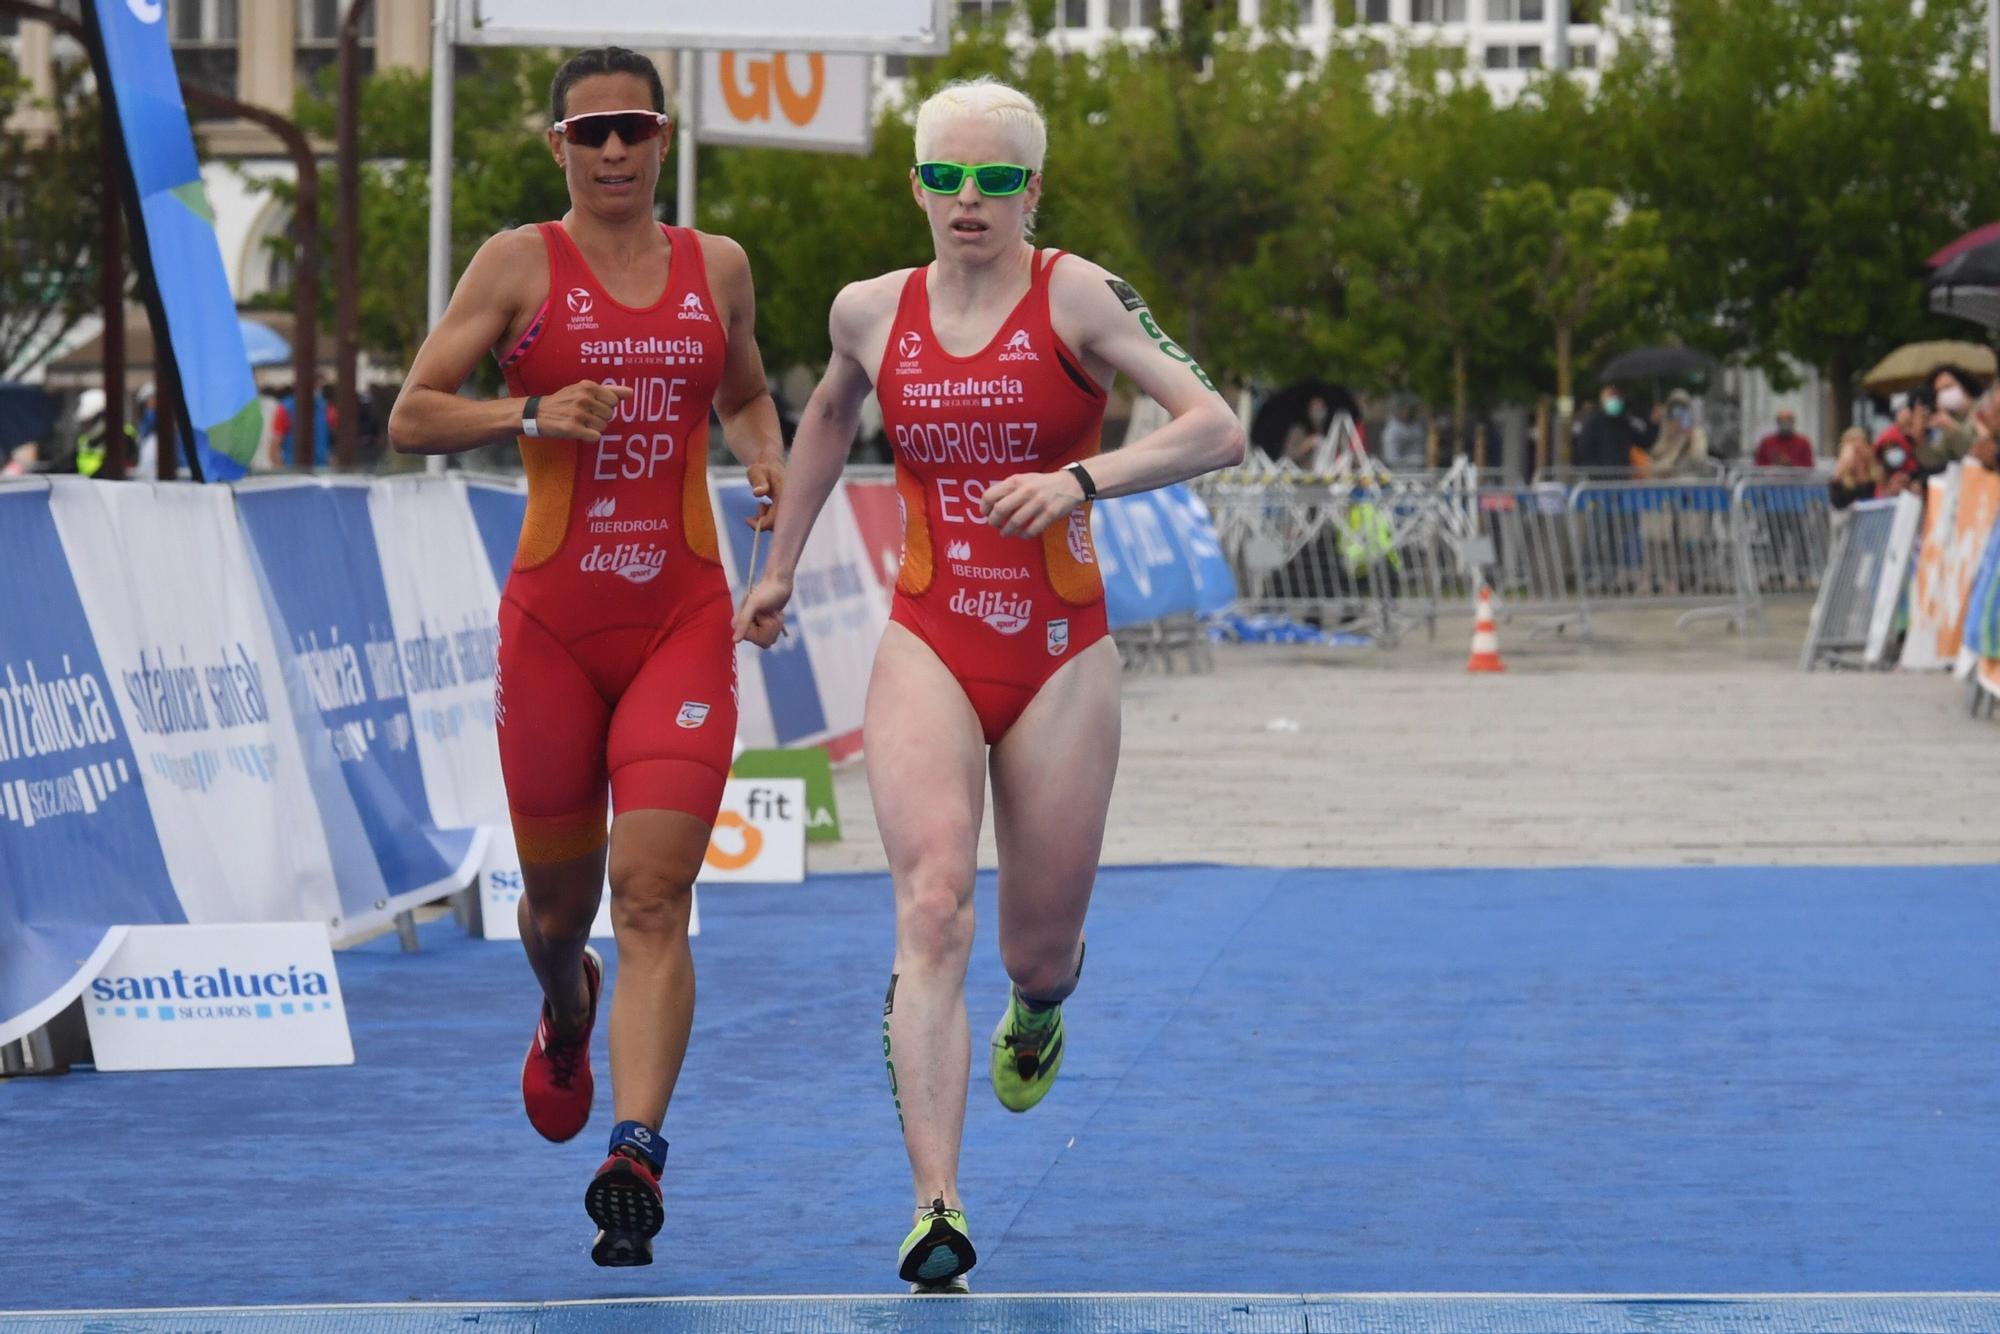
1645, 745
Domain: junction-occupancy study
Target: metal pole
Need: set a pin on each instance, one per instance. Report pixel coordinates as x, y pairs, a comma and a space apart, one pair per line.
684, 200
116, 461
1993, 63
1559, 45
347, 239
441, 115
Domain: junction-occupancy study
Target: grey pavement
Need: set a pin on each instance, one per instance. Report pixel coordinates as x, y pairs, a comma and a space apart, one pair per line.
1645, 745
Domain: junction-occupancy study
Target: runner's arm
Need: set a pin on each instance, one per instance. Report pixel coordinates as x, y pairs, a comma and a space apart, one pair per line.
743, 399
431, 418
1106, 321
819, 452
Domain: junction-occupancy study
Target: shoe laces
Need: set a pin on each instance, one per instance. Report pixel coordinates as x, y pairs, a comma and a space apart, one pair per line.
938, 1209
564, 1057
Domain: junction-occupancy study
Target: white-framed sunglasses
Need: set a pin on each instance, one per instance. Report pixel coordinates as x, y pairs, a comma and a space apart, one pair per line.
591, 129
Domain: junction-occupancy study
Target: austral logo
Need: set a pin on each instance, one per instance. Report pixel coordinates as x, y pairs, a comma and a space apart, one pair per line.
692, 309
1008, 615
635, 562
226, 993
1019, 349
603, 519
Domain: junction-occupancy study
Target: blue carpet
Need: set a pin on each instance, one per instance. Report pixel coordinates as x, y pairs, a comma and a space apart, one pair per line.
1705, 1080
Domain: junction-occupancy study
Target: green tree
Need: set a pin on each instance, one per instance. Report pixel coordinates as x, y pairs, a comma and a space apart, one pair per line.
1804, 157
51, 198
1584, 264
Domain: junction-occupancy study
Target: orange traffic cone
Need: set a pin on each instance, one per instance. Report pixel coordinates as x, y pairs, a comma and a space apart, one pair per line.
1485, 640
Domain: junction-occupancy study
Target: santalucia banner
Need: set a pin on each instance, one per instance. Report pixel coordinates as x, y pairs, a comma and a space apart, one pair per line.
150, 765
359, 675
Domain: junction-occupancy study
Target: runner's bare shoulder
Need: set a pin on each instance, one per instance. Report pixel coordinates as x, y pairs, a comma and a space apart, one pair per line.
862, 314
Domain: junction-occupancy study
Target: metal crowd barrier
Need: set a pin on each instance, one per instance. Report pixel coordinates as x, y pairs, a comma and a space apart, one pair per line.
1383, 554
1837, 635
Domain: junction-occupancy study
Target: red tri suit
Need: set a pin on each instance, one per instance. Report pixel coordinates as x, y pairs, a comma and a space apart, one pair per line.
616, 661
1002, 613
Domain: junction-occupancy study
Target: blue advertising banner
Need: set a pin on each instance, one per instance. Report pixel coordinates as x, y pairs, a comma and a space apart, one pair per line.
498, 512
175, 229
316, 553
789, 683
78, 851
1147, 573
1214, 581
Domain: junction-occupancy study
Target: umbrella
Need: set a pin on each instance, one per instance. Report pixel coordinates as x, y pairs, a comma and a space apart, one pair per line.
1981, 305
1973, 239
1658, 363
1974, 266
1911, 365
1286, 408
265, 346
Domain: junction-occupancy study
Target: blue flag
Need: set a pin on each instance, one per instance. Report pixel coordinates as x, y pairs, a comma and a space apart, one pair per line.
176, 227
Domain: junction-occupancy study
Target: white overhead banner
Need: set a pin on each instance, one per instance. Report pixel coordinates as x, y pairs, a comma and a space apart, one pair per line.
909, 27
786, 100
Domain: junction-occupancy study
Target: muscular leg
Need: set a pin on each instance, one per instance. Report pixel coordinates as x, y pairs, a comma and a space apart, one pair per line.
655, 856
923, 752
1052, 776
558, 902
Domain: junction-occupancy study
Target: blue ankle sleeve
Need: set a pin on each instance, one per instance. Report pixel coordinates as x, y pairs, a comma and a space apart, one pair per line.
642, 1139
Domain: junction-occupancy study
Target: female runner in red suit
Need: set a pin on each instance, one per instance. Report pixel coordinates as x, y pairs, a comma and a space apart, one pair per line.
617, 668
991, 366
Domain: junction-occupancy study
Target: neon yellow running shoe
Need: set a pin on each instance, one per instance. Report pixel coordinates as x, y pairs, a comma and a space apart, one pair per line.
1027, 1053
938, 1252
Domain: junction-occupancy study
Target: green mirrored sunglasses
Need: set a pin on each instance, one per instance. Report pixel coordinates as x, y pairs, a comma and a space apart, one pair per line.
994, 179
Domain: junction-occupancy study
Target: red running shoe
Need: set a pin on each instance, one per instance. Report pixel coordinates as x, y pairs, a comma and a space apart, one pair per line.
556, 1083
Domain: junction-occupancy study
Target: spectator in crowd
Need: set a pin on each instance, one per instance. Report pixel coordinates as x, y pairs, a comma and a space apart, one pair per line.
324, 421
1858, 472
1970, 433
86, 456
1784, 447
1303, 437
1404, 438
1683, 444
1610, 434
1896, 447
148, 462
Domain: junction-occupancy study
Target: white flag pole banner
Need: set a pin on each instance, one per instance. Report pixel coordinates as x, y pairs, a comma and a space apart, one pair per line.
445, 607
786, 100
195, 681
909, 27
218, 997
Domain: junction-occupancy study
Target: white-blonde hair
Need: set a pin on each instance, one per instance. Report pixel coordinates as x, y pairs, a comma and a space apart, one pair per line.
1006, 106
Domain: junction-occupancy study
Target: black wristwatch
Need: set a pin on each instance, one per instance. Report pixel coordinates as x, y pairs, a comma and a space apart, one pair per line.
1083, 479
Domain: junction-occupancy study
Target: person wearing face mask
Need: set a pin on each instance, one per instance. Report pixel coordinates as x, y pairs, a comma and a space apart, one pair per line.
1609, 436
1785, 447
1954, 426
1896, 447
1683, 444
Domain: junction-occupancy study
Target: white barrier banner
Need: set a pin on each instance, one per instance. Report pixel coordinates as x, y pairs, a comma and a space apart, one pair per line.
166, 582
1895, 576
446, 611
218, 997
760, 834
778, 99
500, 888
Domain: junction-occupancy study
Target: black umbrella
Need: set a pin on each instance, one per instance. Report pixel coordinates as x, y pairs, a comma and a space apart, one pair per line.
1981, 305
1657, 363
26, 413
1978, 266
1287, 407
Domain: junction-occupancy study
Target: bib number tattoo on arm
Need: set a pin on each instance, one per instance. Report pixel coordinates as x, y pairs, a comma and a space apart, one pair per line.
1129, 297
